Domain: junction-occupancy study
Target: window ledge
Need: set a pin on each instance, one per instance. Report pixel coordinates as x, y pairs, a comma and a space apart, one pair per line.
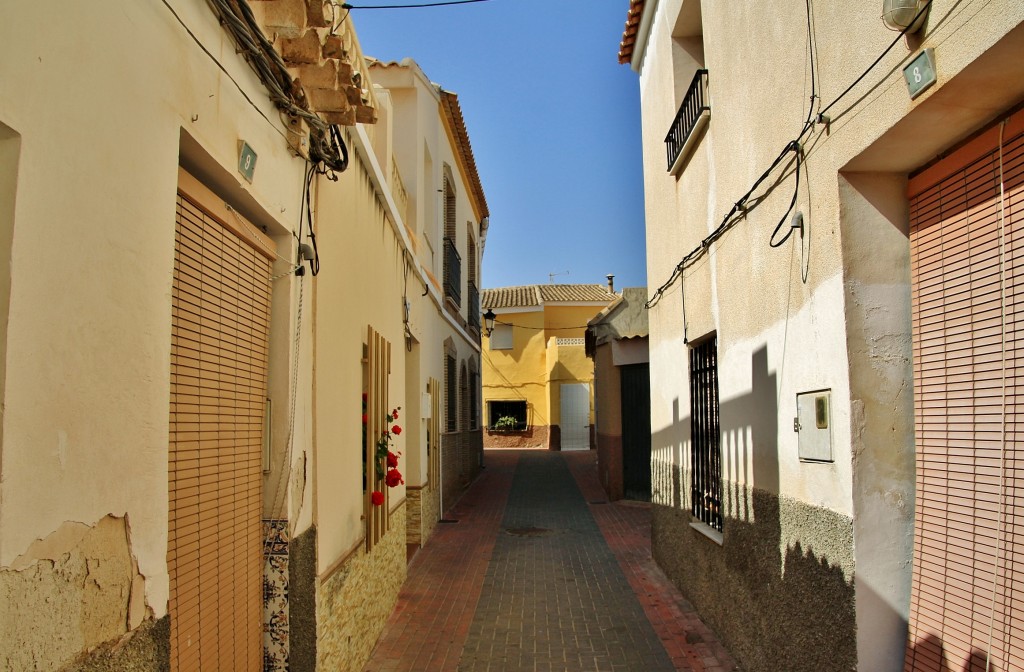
691, 142
708, 531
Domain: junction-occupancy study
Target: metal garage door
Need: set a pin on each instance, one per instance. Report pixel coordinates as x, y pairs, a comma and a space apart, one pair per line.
967, 257
220, 324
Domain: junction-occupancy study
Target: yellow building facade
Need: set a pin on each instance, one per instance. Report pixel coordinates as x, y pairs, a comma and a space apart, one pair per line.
537, 379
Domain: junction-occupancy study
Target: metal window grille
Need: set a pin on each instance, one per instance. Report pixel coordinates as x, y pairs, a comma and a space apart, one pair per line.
694, 105
514, 409
474, 389
450, 397
473, 305
705, 453
452, 271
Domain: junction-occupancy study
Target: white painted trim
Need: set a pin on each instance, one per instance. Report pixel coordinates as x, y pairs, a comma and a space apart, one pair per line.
643, 34
708, 531
524, 309
361, 143
691, 142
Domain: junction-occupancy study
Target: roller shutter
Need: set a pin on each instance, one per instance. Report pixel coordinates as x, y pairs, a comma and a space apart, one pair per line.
967, 265
220, 324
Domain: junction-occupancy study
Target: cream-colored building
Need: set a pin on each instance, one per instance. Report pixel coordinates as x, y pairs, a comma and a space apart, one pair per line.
204, 270
536, 374
831, 210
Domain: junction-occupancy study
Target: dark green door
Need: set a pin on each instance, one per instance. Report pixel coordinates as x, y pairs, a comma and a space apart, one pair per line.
636, 431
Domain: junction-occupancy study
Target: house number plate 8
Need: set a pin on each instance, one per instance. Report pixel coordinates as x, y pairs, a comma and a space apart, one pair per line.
920, 74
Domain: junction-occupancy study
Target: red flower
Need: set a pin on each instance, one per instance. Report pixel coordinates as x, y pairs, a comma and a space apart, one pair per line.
377, 497
364, 397
392, 460
394, 414
364, 418
396, 430
393, 478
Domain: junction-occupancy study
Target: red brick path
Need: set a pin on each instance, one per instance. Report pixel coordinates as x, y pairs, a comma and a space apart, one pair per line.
429, 627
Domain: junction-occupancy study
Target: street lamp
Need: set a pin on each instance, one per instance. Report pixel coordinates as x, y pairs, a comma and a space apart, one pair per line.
489, 322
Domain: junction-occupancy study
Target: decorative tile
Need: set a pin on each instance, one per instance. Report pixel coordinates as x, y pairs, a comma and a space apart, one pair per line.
275, 596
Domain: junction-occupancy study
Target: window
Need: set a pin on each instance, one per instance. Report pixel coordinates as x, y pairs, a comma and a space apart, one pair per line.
496, 410
501, 337
474, 390
705, 454
451, 399
452, 258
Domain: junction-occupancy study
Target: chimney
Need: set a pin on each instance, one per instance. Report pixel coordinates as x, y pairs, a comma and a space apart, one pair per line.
611, 283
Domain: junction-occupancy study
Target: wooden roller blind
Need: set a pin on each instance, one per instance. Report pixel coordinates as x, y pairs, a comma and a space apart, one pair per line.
378, 358
967, 265
219, 348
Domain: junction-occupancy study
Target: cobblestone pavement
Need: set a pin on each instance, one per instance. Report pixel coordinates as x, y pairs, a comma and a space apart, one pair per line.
542, 573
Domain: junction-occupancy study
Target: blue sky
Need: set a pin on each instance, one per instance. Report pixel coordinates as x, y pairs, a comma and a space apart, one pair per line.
554, 121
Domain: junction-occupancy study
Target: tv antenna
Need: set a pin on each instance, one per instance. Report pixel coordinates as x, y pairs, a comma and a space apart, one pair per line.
551, 276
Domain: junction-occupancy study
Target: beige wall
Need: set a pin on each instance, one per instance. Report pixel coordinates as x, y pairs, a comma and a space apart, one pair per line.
846, 327
88, 341
87, 200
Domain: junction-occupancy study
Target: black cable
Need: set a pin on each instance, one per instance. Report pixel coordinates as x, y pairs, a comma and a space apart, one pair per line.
871, 67
314, 263
523, 326
793, 145
223, 69
346, 5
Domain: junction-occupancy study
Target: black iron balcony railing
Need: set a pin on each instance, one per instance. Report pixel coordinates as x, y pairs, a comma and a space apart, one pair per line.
452, 271
690, 113
473, 305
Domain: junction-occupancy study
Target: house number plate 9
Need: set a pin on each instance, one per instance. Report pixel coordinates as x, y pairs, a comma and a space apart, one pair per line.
246, 160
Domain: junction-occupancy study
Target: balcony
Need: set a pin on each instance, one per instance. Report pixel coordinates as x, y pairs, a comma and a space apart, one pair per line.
452, 271
473, 305
692, 117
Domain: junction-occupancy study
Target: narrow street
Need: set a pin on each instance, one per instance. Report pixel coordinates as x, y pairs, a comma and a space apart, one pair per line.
541, 572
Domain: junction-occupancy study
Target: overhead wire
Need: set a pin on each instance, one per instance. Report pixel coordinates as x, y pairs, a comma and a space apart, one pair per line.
740, 207
418, 5
326, 148
221, 67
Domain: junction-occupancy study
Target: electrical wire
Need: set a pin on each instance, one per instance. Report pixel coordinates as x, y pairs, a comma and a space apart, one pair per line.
419, 5
326, 148
1000, 501
740, 207
222, 69
522, 326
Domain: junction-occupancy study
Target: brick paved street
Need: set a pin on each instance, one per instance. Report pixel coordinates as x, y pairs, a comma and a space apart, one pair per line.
542, 573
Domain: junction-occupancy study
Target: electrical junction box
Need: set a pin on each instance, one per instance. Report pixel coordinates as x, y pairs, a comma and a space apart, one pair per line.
813, 426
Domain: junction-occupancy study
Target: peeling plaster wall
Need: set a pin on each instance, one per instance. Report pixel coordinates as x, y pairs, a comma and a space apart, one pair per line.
86, 394
75, 590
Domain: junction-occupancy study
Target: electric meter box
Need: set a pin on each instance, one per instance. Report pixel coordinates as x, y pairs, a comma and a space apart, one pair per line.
813, 426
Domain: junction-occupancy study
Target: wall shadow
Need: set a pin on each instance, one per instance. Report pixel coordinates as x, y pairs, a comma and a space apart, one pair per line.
777, 604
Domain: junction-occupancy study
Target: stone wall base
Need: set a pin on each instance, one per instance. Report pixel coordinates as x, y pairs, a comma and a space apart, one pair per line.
534, 437
778, 590
354, 602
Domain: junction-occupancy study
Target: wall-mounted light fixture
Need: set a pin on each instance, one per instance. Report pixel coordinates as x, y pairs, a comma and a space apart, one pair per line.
899, 14
489, 318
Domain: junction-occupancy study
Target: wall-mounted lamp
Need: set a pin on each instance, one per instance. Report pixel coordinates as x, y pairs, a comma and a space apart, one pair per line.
489, 318
899, 14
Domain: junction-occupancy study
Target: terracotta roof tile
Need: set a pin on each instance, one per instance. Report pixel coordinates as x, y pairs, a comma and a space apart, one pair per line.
452, 109
536, 295
636, 9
